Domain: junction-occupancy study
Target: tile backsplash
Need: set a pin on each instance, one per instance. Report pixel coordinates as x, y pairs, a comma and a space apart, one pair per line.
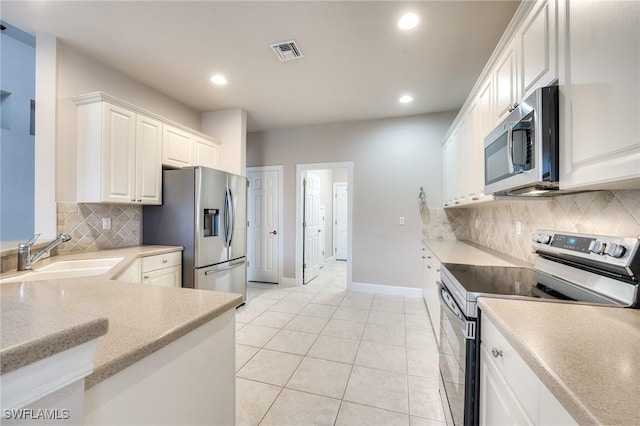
449, 224
493, 225
84, 223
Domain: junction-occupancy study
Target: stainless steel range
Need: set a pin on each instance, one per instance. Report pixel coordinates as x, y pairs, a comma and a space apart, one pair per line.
568, 268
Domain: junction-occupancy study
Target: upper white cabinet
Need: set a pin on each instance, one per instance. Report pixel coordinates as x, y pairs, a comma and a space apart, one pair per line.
118, 155
148, 157
207, 152
506, 87
537, 41
599, 87
122, 148
177, 147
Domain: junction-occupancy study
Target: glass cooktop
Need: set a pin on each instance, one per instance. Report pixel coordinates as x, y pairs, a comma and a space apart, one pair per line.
499, 280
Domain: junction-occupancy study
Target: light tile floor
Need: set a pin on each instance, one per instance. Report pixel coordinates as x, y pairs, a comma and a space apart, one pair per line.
322, 355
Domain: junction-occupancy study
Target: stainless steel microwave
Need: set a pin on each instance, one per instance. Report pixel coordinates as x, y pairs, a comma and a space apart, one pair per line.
521, 155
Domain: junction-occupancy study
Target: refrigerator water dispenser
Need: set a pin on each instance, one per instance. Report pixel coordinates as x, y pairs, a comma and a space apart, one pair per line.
211, 222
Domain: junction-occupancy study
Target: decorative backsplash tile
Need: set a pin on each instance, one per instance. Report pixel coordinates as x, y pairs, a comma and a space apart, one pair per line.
450, 224
615, 213
84, 223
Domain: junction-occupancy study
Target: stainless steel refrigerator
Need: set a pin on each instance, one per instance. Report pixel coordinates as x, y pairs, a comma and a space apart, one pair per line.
205, 211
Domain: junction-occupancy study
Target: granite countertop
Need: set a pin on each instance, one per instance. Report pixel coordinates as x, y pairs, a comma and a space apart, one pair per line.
467, 252
141, 318
587, 356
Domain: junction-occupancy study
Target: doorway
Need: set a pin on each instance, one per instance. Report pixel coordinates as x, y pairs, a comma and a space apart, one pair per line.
316, 225
264, 224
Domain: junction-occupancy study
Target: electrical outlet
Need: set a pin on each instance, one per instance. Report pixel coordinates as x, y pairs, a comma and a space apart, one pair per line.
106, 223
518, 227
401, 220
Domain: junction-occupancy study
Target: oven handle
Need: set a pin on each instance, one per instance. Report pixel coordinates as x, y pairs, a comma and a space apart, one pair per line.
468, 327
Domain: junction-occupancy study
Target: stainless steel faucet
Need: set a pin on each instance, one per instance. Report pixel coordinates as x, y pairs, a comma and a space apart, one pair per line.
26, 259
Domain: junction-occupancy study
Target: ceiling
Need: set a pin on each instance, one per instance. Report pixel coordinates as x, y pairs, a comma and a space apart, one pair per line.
356, 64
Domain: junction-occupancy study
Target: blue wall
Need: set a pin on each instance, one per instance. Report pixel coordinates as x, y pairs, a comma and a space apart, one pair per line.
17, 82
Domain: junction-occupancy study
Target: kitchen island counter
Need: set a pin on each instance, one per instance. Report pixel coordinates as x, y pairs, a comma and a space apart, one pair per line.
141, 318
587, 356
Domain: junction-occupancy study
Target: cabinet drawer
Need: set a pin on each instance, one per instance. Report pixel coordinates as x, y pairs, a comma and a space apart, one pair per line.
152, 263
521, 379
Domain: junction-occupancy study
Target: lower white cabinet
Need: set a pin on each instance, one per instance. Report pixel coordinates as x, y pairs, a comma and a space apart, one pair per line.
430, 288
510, 392
162, 269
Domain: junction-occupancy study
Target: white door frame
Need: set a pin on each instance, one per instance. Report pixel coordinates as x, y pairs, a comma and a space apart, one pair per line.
300, 169
278, 169
335, 215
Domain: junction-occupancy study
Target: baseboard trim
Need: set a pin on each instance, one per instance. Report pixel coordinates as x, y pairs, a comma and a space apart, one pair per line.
287, 282
386, 289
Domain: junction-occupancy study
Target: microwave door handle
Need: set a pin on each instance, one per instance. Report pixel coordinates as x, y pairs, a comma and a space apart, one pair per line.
510, 150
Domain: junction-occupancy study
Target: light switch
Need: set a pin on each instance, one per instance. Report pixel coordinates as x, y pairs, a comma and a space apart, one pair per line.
401, 220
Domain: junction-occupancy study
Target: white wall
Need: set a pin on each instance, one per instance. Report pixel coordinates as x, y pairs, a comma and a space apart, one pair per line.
392, 159
230, 127
79, 74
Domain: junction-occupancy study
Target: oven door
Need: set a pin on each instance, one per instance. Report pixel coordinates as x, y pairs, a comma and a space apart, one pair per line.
458, 361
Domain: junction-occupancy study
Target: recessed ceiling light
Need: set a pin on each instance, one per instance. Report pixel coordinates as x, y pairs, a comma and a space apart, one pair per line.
405, 99
408, 21
219, 80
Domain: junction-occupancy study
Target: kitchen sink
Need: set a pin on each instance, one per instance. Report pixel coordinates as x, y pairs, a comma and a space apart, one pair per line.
66, 269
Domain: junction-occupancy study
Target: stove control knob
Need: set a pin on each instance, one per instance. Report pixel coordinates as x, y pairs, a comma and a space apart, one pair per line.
597, 247
615, 250
541, 238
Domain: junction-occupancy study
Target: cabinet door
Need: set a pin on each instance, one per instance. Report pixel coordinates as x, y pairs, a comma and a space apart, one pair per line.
498, 405
177, 147
167, 277
537, 48
505, 78
449, 170
148, 160
118, 154
131, 274
599, 99
206, 153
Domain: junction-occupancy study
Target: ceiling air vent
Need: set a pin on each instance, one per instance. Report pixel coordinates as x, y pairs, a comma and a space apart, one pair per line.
287, 50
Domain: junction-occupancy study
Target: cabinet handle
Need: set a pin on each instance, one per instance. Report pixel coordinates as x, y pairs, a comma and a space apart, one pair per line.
164, 261
496, 353
428, 266
146, 277
428, 257
139, 201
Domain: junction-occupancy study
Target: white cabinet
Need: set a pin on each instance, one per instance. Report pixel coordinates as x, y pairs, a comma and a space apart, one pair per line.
207, 152
118, 155
510, 392
537, 40
599, 102
450, 169
162, 269
506, 86
148, 160
431, 293
177, 147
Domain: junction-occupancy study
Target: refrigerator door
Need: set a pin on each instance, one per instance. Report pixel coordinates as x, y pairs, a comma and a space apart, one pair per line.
238, 235
229, 276
210, 207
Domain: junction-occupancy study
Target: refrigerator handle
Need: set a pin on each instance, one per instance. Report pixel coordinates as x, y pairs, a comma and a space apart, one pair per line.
232, 217
225, 218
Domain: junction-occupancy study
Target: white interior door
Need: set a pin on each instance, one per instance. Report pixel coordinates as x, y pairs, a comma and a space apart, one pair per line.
311, 227
340, 220
322, 237
262, 231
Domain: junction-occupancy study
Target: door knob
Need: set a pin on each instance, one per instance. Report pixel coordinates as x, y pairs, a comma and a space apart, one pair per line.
274, 232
